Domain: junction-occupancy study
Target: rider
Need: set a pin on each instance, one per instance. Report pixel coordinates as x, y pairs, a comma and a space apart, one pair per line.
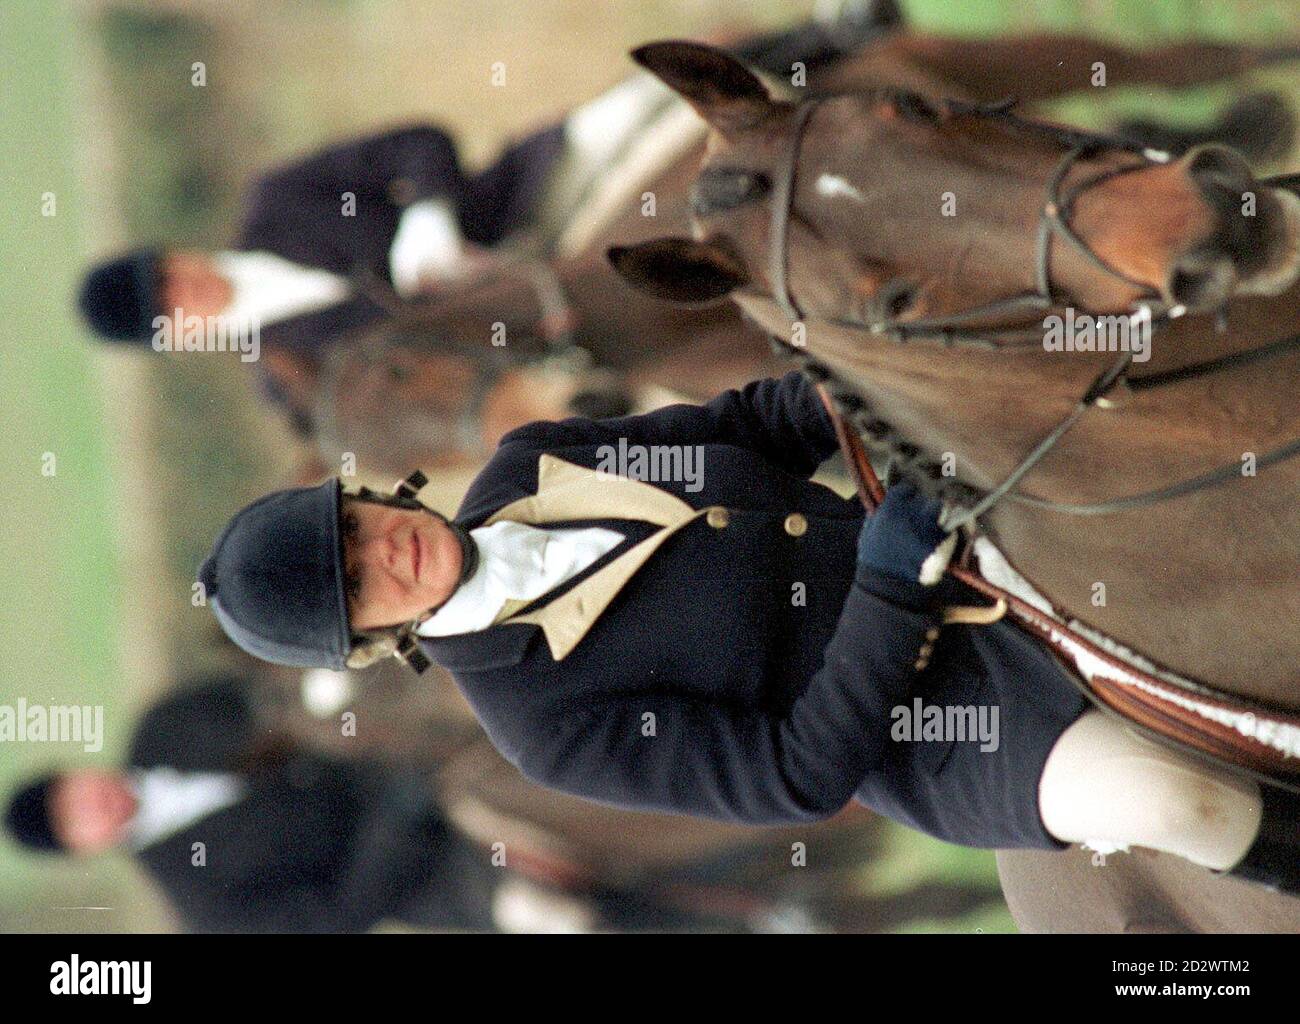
734, 643
293, 840
325, 239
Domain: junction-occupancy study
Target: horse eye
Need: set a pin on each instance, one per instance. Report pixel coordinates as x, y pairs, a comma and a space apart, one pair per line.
718, 189
350, 525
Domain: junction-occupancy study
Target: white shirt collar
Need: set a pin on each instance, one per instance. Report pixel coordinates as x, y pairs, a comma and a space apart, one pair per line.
520, 562
269, 288
168, 801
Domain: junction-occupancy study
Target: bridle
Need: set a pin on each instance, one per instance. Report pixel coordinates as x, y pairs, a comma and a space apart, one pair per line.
1230, 731
1053, 221
963, 503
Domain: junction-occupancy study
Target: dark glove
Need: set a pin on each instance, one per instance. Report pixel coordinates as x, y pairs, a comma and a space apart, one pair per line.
903, 537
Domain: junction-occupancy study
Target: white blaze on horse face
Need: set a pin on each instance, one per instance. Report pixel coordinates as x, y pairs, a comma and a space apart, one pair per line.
831, 185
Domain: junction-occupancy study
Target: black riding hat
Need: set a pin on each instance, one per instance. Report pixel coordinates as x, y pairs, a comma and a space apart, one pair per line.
121, 297
275, 577
28, 816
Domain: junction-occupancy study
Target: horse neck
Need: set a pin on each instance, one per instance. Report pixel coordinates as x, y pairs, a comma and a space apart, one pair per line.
993, 406
985, 406
1181, 576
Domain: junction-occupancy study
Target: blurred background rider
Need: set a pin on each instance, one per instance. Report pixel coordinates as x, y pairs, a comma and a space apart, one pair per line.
333, 242
244, 833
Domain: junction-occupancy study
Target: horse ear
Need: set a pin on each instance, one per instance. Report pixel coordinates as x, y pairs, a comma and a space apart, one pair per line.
721, 89
680, 269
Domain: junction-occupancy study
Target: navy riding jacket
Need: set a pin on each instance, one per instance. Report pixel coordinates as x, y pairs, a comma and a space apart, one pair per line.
748, 672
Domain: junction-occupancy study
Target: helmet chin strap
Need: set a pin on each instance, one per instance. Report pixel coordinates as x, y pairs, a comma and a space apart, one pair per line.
404, 496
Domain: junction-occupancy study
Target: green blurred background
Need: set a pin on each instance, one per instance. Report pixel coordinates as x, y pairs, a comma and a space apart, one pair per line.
151, 458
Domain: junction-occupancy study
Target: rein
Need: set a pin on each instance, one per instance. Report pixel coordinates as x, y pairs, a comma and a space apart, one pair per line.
556, 326
558, 322
1228, 730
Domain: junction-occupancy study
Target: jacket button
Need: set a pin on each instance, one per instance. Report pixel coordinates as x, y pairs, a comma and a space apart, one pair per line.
796, 525
717, 517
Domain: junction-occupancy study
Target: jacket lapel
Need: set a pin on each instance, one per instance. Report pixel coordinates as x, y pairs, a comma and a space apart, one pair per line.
568, 492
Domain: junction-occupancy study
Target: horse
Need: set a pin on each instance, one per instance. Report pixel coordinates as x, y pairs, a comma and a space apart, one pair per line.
551, 330
431, 388
826, 223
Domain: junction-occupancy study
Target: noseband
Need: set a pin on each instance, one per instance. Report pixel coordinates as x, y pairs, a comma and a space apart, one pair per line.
963, 503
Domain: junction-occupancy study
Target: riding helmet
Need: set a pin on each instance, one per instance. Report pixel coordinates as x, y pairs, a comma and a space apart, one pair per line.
275, 579
120, 298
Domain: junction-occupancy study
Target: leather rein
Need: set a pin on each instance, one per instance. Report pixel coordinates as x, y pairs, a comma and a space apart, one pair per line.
1229, 730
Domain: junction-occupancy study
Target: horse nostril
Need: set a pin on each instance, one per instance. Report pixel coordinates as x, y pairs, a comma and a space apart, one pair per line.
1201, 280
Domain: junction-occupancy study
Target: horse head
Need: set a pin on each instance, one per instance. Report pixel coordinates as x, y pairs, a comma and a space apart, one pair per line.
905, 209
439, 382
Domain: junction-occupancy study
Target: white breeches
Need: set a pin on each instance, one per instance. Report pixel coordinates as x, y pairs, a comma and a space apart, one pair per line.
1107, 787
